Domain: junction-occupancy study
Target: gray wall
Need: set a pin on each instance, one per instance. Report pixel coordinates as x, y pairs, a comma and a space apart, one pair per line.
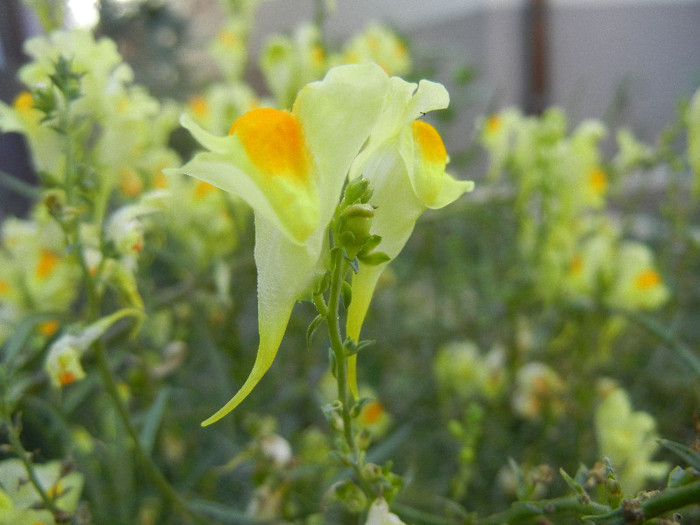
597, 50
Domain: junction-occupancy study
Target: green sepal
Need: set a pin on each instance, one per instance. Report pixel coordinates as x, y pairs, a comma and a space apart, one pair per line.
318, 320
612, 486
354, 262
680, 477
366, 343
352, 348
357, 408
357, 191
323, 284
349, 346
45, 101
374, 259
370, 244
347, 238
66, 80
573, 485
346, 292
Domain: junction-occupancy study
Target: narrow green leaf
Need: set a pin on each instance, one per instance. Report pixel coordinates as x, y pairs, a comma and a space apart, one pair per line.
346, 292
19, 186
152, 420
318, 320
692, 457
375, 258
23, 331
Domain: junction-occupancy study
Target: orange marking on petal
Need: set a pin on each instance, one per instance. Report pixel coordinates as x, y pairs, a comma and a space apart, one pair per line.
160, 181
4, 287
647, 279
597, 180
130, 182
493, 123
431, 145
66, 377
317, 55
372, 412
199, 106
47, 263
401, 50
228, 38
576, 265
274, 142
202, 189
48, 328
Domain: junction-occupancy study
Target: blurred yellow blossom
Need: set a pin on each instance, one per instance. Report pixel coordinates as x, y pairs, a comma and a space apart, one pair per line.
629, 439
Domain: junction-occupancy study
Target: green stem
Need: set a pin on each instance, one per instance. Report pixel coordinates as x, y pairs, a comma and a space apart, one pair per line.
16, 444
337, 346
146, 461
339, 268
638, 511
19, 186
523, 510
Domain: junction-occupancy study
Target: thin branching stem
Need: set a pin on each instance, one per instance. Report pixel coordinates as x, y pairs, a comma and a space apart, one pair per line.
24, 457
146, 461
332, 318
339, 268
526, 510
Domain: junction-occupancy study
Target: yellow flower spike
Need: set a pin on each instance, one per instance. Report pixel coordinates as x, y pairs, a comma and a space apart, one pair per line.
405, 163
290, 167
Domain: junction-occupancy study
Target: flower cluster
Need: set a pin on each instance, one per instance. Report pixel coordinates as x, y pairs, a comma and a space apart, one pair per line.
567, 233
292, 166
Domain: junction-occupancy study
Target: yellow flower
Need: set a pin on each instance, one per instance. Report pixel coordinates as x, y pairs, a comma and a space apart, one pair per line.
404, 160
63, 360
638, 285
629, 439
290, 167
381, 45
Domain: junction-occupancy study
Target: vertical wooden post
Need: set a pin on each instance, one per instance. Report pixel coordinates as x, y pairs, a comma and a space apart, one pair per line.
536, 96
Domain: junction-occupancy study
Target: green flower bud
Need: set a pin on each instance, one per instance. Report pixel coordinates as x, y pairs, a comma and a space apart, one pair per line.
356, 191
355, 223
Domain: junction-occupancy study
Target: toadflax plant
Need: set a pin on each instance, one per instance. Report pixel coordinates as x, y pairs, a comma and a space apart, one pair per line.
336, 184
291, 168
